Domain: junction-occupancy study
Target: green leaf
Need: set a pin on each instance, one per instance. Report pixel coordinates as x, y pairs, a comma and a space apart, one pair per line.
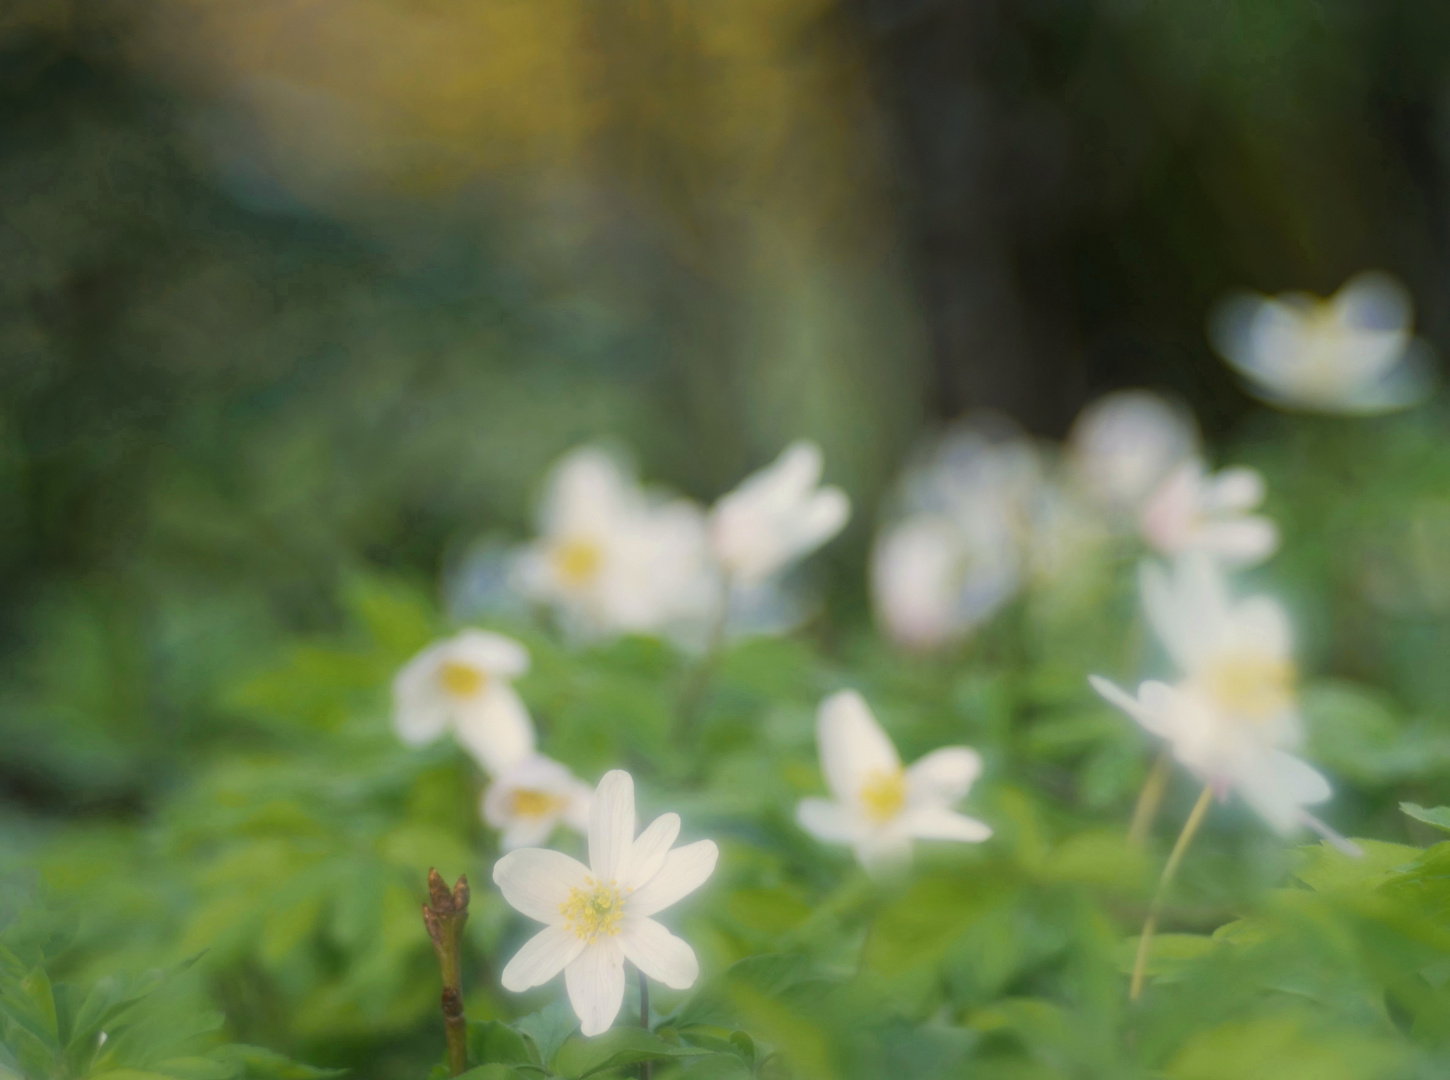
769, 975
548, 1028
1286, 1048
1327, 869
257, 1063
1439, 816
491, 1042
491, 1072
581, 1057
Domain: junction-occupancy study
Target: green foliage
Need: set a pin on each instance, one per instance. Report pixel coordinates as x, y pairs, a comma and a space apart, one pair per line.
291, 849
153, 1026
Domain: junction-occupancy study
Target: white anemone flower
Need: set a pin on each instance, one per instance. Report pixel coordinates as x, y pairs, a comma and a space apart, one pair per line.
1233, 715
1195, 511
1352, 353
465, 683
880, 807
529, 801
1124, 444
935, 580
776, 516
598, 916
960, 549
612, 558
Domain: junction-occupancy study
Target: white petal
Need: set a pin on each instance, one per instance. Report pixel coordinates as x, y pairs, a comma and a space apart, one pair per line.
543, 956
650, 848
1373, 300
659, 954
536, 881
1148, 708
492, 653
420, 720
1277, 785
420, 711
825, 515
1242, 541
595, 981
882, 854
611, 826
1239, 488
936, 823
852, 744
685, 870
527, 832
495, 729
944, 775
1339, 842
1301, 781
829, 822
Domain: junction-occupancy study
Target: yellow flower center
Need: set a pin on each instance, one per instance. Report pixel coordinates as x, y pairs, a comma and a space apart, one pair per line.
1254, 687
883, 795
577, 561
460, 679
530, 803
593, 910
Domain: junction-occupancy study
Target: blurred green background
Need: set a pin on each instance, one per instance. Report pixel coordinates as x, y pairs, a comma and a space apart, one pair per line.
297, 301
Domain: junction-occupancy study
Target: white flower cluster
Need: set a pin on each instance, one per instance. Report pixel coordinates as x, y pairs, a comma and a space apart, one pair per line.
597, 916
987, 511
983, 513
614, 558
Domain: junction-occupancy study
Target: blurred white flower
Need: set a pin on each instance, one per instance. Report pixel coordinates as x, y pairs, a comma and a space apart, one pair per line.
777, 515
532, 798
465, 683
1193, 510
1352, 353
612, 559
961, 547
1123, 444
934, 580
879, 807
1234, 711
598, 916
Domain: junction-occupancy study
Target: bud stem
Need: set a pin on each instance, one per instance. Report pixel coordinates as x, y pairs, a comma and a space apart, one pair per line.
445, 915
1160, 894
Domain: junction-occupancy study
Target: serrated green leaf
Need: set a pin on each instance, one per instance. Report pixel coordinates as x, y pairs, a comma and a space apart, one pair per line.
580, 1057
548, 1028
1438, 816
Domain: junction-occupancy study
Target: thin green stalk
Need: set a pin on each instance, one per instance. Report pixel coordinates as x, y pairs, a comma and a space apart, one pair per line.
646, 1068
1160, 894
1150, 798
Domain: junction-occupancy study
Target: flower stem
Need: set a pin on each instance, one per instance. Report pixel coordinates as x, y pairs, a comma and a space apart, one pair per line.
444, 915
1160, 894
646, 1068
697, 683
1150, 798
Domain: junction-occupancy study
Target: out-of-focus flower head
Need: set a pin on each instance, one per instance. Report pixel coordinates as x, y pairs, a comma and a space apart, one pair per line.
465, 683
1122, 446
958, 550
611, 558
1193, 510
776, 516
597, 916
1352, 353
528, 801
879, 808
1233, 714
